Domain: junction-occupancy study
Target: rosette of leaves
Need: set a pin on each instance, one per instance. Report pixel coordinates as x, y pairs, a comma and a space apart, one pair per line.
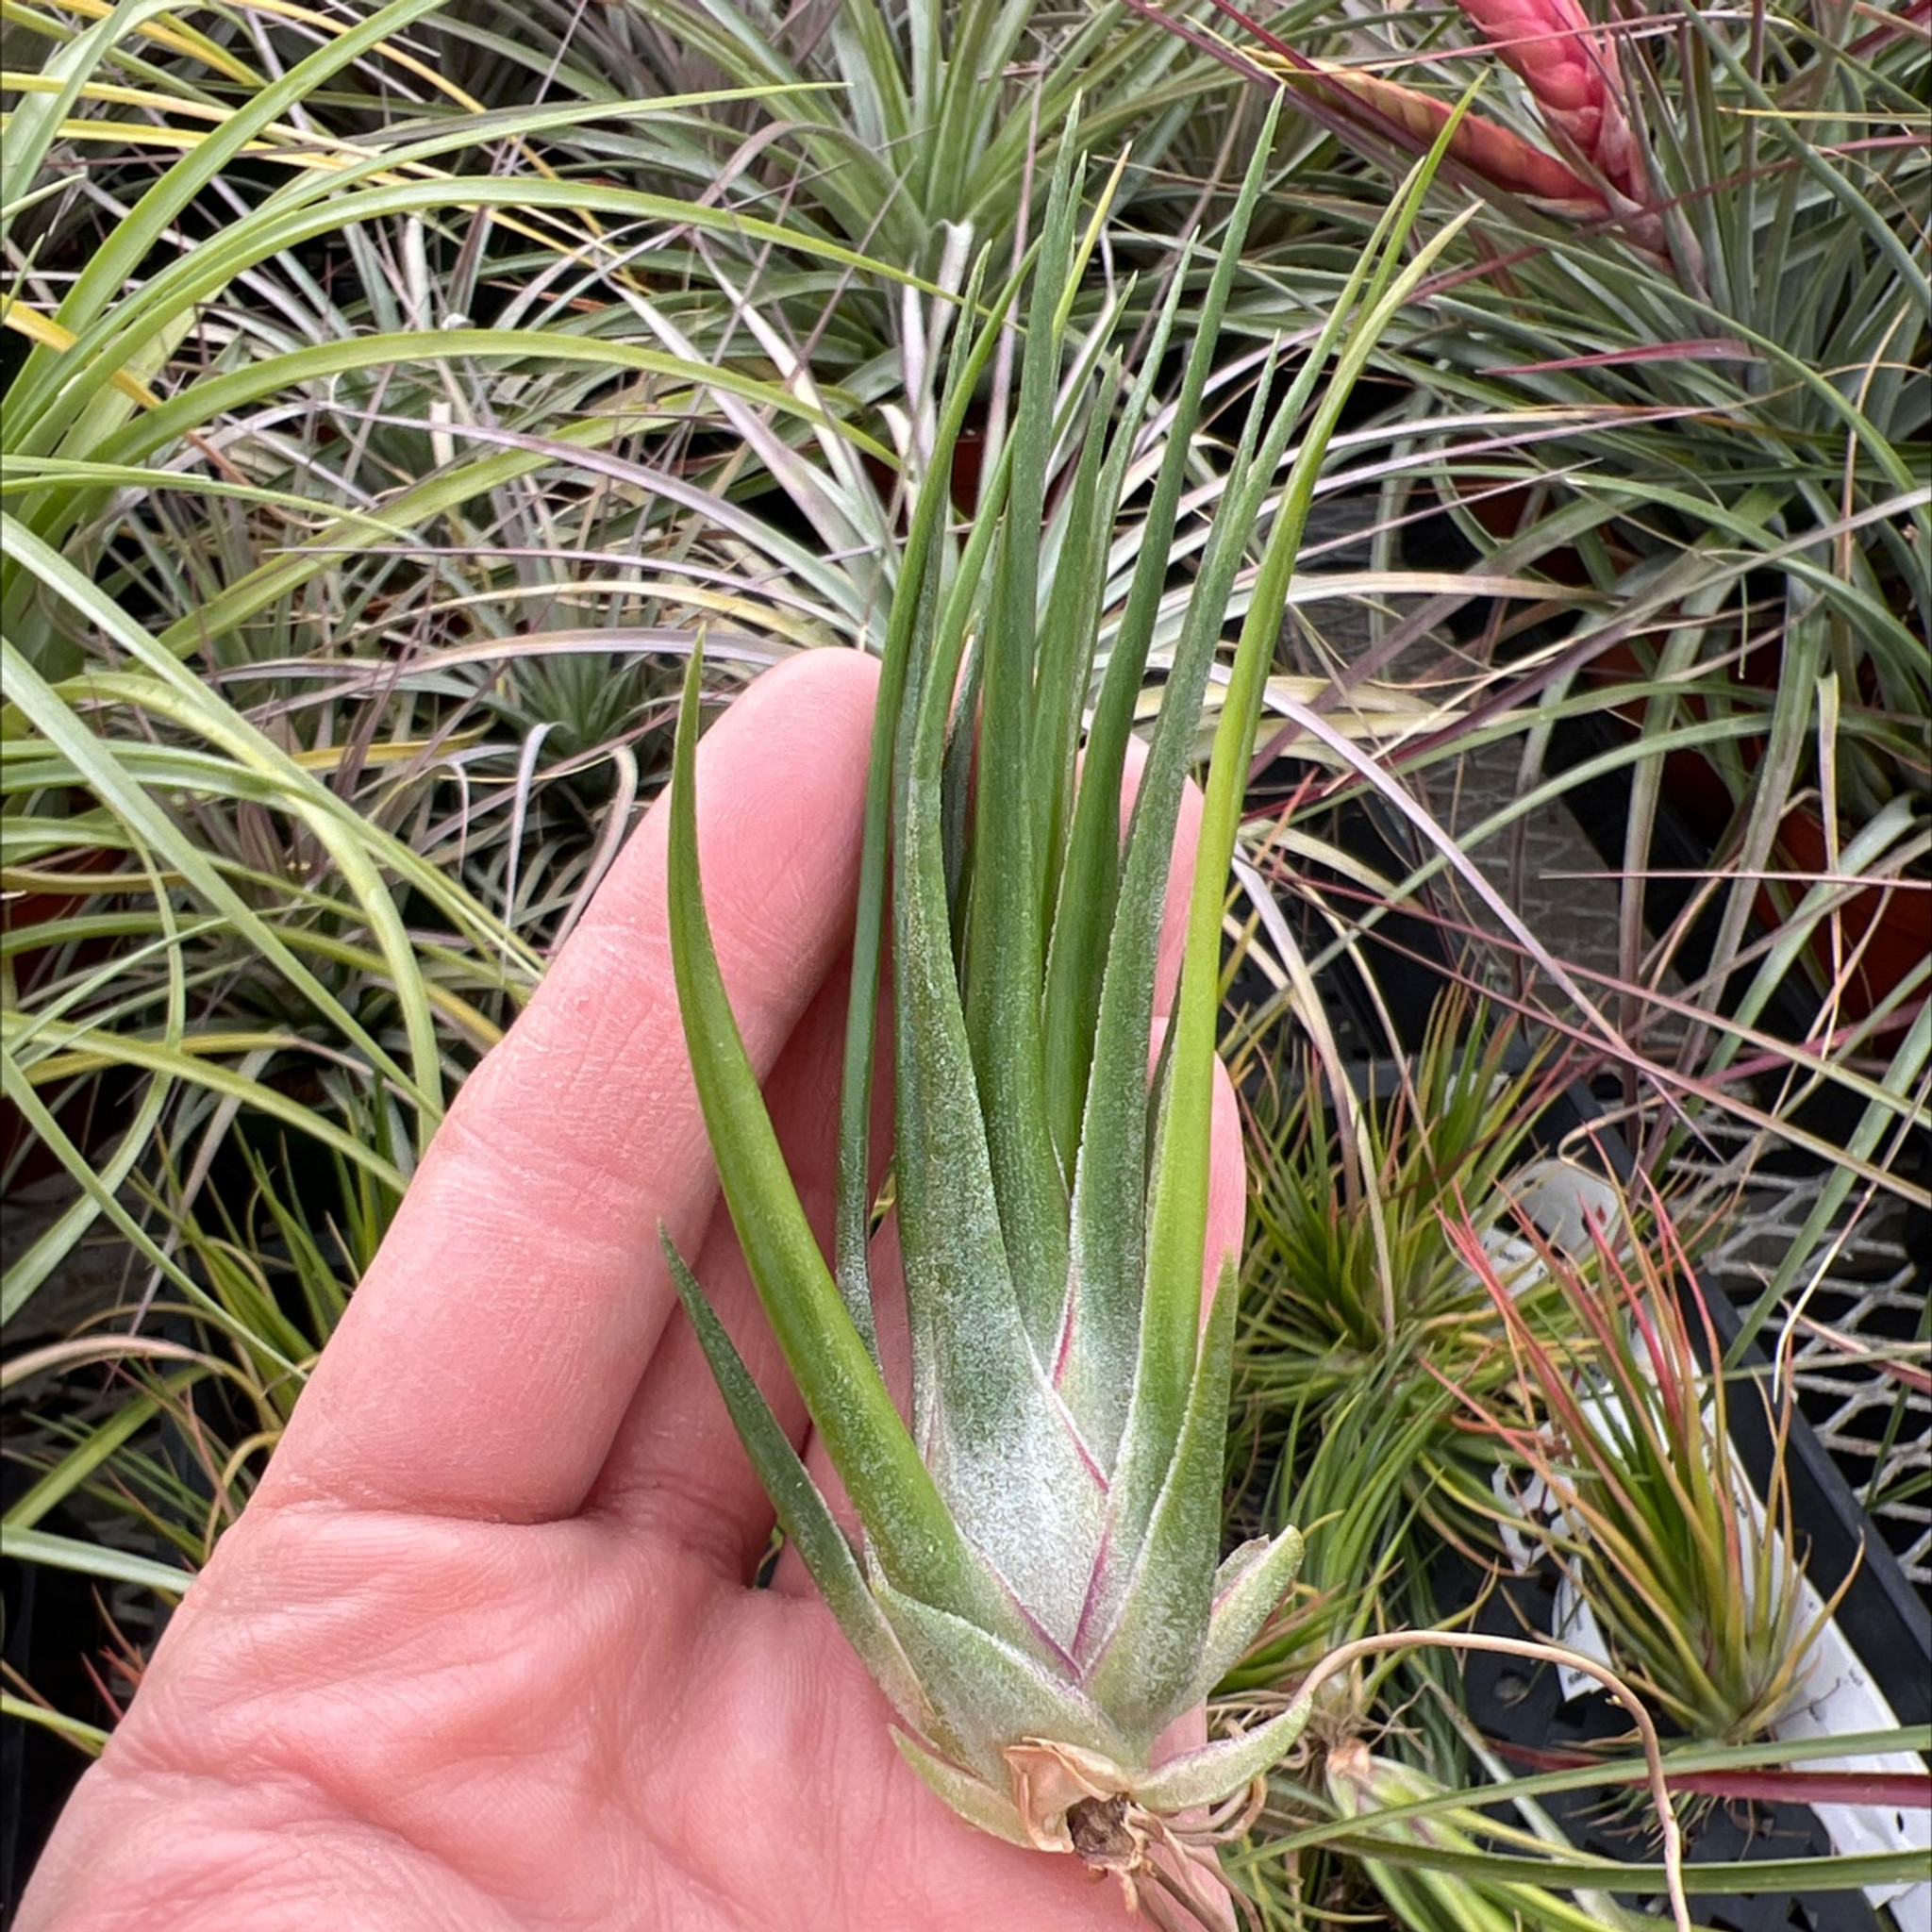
1037, 1585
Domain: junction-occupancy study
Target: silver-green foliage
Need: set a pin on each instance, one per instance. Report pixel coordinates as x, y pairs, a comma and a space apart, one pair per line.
1037, 1585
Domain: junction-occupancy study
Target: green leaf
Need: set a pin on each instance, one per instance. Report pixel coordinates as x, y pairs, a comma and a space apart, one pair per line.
802, 1512
908, 634
995, 1434
1217, 1770
94, 1559
1248, 1590
89, 1738
973, 1798
1100, 987
1157, 1628
86, 1456
990, 1691
1005, 947
903, 1515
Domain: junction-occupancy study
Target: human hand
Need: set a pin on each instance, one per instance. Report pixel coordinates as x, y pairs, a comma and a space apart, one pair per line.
483, 1650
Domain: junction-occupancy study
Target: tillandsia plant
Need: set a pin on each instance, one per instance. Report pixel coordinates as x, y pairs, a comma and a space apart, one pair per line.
1578, 159
1698, 1592
1036, 1588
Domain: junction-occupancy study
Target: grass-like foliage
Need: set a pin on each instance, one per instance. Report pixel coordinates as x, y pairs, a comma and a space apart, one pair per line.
1697, 1590
1675, 370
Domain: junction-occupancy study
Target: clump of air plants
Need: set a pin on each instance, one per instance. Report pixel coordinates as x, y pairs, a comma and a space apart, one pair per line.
1037, 1588
1350, 1269
1698, 1593
1357, 1307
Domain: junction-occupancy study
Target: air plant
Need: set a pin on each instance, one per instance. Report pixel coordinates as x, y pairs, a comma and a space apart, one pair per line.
1699, 1598
1589, 166
1036, 1589
1357, 1496
1351, 1271
1357, 1306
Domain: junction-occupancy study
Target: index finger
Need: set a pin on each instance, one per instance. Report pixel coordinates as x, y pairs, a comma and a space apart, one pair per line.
486, 1361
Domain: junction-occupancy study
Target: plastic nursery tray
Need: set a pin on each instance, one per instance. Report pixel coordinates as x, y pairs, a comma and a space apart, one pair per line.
1535, 1723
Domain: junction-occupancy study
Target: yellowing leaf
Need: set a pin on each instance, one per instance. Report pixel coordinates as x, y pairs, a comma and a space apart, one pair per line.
45, 333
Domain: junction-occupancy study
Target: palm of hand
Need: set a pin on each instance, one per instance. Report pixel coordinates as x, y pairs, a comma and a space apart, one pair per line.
481, 1653
378, 1720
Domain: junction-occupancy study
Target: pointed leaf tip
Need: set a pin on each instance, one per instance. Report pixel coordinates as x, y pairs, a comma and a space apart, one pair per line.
1248, 1588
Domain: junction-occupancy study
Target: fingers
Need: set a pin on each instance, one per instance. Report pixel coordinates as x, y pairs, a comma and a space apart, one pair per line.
1227, 1180
485, 1364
